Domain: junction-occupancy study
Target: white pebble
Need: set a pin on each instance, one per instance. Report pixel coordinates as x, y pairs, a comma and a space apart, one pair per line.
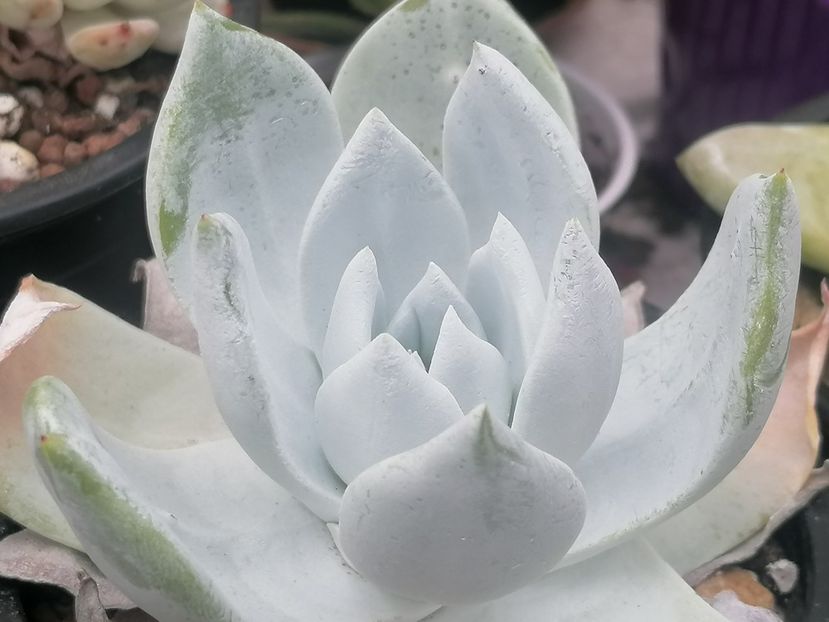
31, 95
11, 115
118, 86
107, 105
784, 573
17, 163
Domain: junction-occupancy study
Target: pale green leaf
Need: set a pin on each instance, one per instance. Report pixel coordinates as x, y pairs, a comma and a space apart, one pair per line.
717, 162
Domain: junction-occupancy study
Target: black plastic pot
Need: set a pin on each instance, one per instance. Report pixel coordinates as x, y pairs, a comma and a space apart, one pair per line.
85, 228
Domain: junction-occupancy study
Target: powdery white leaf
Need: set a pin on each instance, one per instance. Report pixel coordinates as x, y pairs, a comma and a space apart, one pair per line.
472, 369
264, 381
247, 119
358, 312
771, 474
629, 583
698, 384
27, 556
572, 376
505, 150
473, 514
506, 293
142, 516
379, 403
50, 330
417, 323
409, 62
382, 193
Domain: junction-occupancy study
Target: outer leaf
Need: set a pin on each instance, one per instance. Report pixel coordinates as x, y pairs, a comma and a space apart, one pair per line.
770, 475
505, 150
409, 62
473, 514
627, 584
698, 385
263, 380
572, 376
384, 194
380, 403
717, 162
143, 516
50, 330
244, 118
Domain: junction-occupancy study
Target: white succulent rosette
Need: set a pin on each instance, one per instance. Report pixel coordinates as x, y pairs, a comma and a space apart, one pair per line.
106, 34
416, 347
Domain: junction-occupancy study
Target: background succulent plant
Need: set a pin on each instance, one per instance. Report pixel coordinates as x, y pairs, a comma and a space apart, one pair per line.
106, 34
350, 333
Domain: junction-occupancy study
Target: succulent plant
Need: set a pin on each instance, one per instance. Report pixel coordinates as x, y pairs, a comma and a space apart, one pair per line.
412, 340
106, 34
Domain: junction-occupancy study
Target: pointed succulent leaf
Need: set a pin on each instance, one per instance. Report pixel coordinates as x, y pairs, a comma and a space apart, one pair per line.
473, 514
627, 584
264, 382
770, 476
418, 320
244, 118
717, 162
572, 376
472, 369
358, 312
382, 193
104, 39
698, 385
30, 14
409, 62
50, 330
142, 516
506, 293
380, 403
506, 150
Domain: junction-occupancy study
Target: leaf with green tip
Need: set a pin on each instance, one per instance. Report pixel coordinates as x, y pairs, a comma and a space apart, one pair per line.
409, 62
769, 478
627, 584
143, 516
698, 384
247, 128
50, 330
717, 162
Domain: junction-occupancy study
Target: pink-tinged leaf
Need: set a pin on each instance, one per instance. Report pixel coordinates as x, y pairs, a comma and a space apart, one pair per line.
138, 387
